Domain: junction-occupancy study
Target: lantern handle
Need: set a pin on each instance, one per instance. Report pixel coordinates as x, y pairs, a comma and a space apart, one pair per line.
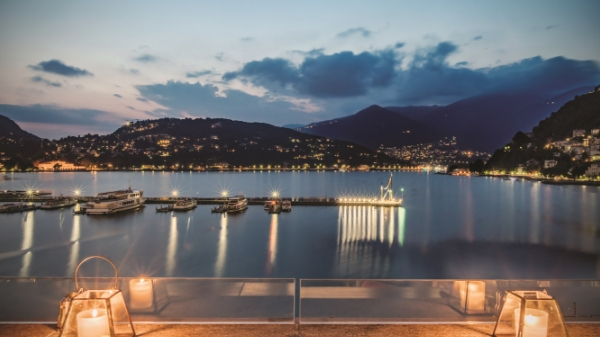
96, 257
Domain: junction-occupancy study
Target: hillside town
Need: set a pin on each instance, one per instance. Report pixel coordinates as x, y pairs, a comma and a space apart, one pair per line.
444, 152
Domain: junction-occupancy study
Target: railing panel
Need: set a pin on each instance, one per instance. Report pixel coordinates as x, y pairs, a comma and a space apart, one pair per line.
174, 300
433, 301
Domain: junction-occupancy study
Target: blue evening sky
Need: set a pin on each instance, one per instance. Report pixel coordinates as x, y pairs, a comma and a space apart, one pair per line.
87, 66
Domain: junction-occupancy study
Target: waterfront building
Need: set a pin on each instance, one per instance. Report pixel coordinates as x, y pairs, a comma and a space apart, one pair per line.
578, 133
550, 163
58, 165
593, 170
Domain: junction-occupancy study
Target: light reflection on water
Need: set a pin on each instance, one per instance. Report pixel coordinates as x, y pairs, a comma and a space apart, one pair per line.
448, 227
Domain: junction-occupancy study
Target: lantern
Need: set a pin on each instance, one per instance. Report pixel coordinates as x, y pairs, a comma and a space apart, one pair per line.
530, 314
468, 297
96, 313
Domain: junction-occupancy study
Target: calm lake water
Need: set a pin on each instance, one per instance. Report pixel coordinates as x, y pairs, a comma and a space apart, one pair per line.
449, 227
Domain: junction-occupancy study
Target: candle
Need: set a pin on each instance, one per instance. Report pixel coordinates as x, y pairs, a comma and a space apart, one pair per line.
92, 323
141, 296
535, 323
474, 299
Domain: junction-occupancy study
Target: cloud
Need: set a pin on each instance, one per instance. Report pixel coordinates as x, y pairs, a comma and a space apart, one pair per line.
196, 74
477, 38
354, 31
146, 58
59, 68
429, 78
426, 78
247, 39
194, 99
551, 27
117, 96
399, 45
134, 71
101, 121
39, 79
338, 75
142, 99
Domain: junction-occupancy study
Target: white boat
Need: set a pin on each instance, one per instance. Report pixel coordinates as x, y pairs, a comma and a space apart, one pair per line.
286, 206
57, 203
185, 205
115, 201
237, 203
270, 204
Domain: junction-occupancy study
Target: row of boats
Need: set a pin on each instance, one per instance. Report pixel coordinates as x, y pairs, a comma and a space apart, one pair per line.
57, 203
276, 206
130, 199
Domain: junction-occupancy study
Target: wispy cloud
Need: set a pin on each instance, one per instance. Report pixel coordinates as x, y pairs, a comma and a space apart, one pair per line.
551, 27
477, 38
146, 58
196, 74
117, 96
59, 68
39, 79
354, 31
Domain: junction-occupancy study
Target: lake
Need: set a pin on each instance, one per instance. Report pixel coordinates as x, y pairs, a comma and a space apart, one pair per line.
449, 227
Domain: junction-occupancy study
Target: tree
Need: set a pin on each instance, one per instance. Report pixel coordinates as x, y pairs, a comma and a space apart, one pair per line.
476, 166
57, 167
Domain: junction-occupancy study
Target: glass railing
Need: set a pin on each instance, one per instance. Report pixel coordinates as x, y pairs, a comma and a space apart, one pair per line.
273, 301
161, 300
434, 301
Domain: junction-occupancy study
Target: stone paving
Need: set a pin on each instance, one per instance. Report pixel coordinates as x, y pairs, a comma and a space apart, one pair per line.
294, 330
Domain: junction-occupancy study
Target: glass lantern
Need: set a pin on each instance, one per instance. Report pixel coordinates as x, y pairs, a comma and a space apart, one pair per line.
97, 313
530, 314
469, 297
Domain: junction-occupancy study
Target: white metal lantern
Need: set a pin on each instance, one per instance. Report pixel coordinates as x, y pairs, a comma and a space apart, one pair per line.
96, 313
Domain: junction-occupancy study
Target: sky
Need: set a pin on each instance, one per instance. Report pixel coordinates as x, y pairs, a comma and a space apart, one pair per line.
72, 68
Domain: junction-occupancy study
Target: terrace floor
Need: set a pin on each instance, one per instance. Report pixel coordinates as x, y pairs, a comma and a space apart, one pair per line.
267, 330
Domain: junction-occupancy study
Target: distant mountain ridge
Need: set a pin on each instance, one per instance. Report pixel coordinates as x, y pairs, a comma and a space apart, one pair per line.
373, 127
480, 123
10, 129
417, 113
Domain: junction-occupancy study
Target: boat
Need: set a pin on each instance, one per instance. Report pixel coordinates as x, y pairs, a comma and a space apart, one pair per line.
286, 206
237, 203
164, 209
60, 202
115, 201
270, 204
219, 209
185, 205
20, 207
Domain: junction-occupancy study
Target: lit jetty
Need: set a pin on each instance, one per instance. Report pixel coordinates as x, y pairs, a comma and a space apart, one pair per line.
386, 198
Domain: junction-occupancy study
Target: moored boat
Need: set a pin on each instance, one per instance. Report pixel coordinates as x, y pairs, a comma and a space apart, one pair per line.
57, 203
237, 203
286, 206
19, 207
164, 209
115, 201
219, 209
185, 205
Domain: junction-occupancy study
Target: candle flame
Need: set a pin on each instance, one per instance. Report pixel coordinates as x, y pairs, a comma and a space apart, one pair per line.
530, 320
142, 280
94, 313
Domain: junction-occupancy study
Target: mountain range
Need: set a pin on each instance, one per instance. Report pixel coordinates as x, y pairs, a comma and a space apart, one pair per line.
8, 128
481, 123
